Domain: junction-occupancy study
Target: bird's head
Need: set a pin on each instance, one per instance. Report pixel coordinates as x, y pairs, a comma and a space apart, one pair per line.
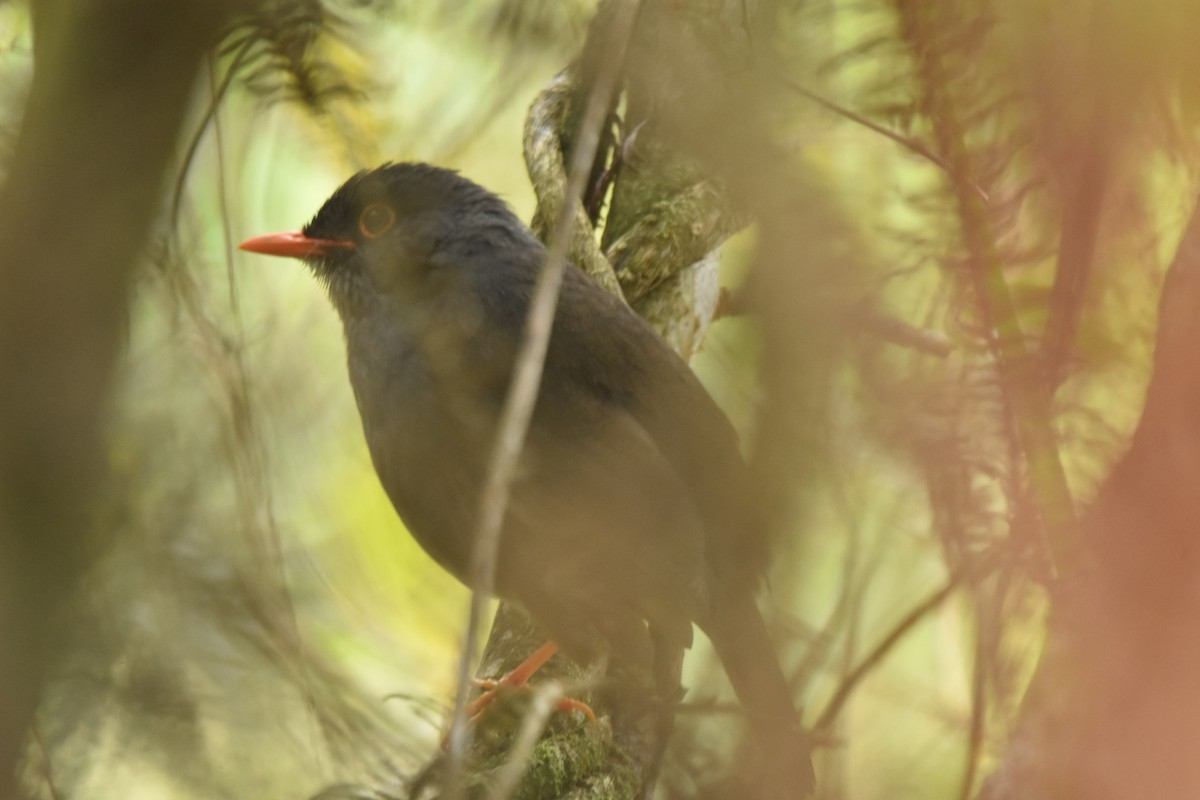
384, 231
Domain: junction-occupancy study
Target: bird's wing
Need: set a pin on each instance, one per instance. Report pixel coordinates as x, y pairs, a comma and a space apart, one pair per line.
610, 353
633, 369
600, 519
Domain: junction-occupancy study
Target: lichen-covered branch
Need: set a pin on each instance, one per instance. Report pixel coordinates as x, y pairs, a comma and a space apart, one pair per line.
545, 162
668, 259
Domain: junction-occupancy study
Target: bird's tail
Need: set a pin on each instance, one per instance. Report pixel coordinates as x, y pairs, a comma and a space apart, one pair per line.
780, 751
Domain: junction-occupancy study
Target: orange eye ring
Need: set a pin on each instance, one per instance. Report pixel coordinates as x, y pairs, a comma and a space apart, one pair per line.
375, 220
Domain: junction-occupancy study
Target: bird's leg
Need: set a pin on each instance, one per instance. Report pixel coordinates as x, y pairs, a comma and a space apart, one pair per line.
519, 677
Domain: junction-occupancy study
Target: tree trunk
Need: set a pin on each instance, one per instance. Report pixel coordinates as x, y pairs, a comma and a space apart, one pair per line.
110, 88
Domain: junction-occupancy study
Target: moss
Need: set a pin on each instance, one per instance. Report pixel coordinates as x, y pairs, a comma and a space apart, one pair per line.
574, 759
565, 761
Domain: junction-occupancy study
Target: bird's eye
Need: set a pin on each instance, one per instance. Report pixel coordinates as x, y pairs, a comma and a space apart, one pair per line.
376, 219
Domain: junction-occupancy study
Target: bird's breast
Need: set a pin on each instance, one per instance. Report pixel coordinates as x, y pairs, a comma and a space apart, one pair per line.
428, 433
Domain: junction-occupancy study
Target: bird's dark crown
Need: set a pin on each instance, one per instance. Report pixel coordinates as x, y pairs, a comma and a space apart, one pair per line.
409, 188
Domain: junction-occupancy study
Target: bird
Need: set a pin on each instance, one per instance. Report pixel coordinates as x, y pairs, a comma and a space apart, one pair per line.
630, 516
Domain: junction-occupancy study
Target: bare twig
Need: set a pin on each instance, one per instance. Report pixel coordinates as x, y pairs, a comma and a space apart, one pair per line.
906, 142
872, 660
210, 113
868, 318
527, 374
900, 333
986, 645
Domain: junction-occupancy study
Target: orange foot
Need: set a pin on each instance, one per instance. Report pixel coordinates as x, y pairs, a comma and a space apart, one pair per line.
518, 678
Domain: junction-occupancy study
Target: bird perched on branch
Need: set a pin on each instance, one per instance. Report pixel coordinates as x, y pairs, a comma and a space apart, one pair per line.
629, 518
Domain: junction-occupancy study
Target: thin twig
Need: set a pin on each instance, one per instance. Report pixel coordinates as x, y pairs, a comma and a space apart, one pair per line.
527, 375
900, 333
834, 707
868, 318
209, 113
906, 142
223, 194
250, 443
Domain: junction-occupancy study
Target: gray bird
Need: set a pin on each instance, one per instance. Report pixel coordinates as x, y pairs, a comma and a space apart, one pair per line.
629, 518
